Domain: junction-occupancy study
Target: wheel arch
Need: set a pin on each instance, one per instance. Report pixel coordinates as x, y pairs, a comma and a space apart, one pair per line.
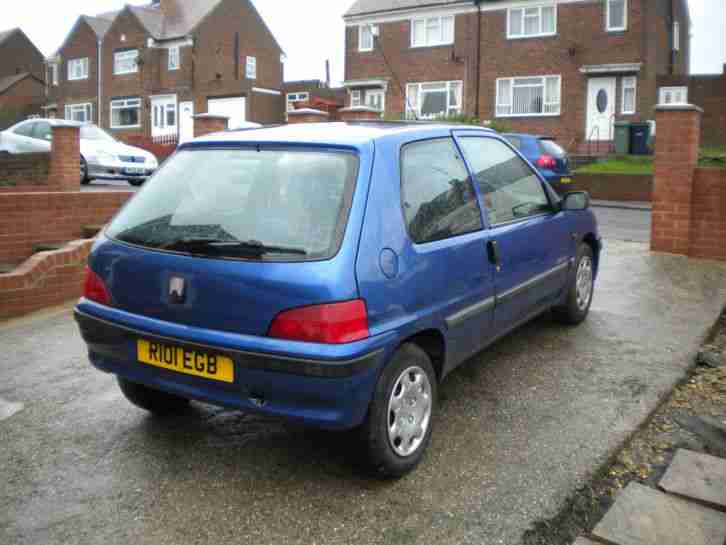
432, 342
591, 240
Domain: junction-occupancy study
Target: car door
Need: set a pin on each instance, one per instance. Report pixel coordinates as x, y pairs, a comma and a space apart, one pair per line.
528, 237
42, 137
447, 260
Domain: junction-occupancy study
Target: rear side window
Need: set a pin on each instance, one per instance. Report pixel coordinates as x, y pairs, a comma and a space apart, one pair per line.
25, 130
41, 131
276, 204
550, 147
437, 196
510, 189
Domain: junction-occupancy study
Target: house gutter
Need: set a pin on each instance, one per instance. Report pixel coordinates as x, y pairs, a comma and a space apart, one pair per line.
99, 106
478, 57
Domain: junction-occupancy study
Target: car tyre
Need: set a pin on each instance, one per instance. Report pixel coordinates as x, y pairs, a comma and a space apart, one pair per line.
136, 183
581, 289
85, 180
155, 401
398, 426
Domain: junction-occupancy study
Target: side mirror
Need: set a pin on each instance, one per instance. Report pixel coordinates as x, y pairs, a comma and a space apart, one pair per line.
576, 200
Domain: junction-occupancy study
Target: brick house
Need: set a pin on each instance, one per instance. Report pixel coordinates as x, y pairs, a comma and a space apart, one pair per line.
567, 68
144, 71
22, 90
315, 94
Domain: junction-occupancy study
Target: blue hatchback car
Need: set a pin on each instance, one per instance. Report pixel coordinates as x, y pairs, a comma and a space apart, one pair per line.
331, 274
547, 156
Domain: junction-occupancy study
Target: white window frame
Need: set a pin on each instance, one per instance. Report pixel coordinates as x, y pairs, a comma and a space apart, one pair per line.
625, 16
450, 86
523, 9
442, 39
54, 74
361, 30
120, 104
251, 67
174, 53
663, 91
86, 108
292, 98
545, 101
376, 92
676, 36
356, 98
125, 56
73, 74
630, 82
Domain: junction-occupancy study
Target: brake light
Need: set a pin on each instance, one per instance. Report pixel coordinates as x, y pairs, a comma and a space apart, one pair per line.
94, 289
335, 323
546, 161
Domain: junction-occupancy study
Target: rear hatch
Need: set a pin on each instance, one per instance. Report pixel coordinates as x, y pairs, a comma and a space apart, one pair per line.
226, 239
548, 146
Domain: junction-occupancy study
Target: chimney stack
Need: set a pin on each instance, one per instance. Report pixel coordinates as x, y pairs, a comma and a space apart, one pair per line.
169, 9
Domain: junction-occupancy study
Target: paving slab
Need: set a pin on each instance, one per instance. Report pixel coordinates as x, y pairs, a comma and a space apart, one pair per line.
643, 516
585, 541
698, 476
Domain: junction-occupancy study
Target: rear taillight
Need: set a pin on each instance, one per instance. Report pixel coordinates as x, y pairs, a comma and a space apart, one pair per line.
335, 323
94, 289
546, 161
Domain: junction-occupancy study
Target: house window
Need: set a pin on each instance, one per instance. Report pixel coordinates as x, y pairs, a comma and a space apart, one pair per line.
376, 99
78, 69
82, 113
365, 38
629, 93
536, 96
617, 15
355, 98
174, 58
126, 113
673, 95
432, 31
251, 68
676, 36
54, 74
126, 62
433, 100
532, 21
292, 98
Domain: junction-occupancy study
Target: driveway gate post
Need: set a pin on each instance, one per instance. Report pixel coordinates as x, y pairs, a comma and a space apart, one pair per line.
65, 158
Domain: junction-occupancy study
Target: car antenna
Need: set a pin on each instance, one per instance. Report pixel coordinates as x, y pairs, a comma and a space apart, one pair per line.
376, 38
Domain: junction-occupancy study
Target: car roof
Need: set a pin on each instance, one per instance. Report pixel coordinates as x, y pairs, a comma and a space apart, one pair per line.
352, 134
524, 135
54, 121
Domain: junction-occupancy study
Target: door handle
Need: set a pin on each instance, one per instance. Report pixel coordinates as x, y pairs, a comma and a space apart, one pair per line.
493, 253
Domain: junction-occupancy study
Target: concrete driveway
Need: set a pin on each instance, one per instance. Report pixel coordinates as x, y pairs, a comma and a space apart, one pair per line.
519, 428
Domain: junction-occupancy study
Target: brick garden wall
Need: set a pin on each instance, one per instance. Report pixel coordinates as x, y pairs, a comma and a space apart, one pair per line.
615, 187
27, 219
708, 223
26, 172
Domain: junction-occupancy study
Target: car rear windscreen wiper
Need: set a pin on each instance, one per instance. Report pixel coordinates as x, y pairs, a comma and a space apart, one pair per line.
253, 248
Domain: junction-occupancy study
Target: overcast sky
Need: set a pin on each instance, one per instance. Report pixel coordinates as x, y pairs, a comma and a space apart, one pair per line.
311, 32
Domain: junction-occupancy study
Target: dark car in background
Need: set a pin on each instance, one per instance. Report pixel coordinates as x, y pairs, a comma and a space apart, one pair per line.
547, 156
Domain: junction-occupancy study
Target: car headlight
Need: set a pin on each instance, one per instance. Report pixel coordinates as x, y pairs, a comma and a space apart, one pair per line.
152, 162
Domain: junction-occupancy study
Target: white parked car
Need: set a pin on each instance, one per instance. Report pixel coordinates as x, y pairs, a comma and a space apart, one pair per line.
102, 156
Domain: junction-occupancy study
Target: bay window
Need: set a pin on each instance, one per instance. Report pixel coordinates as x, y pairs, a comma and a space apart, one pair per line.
432, 31
434, 100
532, 21
529, 96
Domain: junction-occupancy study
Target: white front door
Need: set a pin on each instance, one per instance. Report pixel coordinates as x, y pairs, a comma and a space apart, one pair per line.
163, 116
186, 121
601, 109
234, 108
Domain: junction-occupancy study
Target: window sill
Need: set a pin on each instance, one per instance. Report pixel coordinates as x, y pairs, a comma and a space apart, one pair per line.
76, 79
437, 46
125, 128
616, 31
125, 73
504, 116
532, 37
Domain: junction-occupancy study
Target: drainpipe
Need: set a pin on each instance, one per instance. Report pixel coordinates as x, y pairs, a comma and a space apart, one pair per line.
99, 105
478, 57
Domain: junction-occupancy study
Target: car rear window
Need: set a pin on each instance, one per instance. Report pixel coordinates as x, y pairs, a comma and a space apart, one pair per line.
266, 204
515, 141
550, 147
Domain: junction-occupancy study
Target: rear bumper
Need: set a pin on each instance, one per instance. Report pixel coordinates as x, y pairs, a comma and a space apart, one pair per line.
317, 392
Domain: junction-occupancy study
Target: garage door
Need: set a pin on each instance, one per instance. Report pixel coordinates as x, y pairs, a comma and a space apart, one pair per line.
234, 108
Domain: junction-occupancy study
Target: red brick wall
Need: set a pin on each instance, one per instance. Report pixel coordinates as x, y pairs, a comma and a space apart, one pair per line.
708, 227
19, 54
46, 279
615, 187
27, 219
82, 43
22, 100
26, 170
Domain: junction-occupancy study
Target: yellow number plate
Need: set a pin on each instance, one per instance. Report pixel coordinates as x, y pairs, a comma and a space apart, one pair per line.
565, 180
189, 362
